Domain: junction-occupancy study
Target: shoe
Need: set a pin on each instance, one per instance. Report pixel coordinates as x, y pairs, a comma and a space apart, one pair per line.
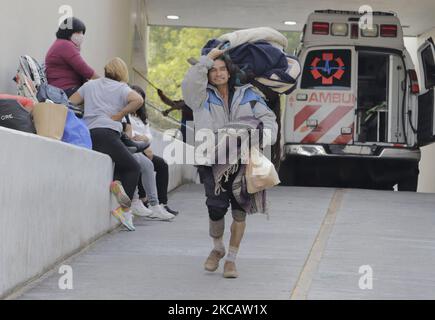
129, 221
119, 192
212, 262
125, 217
173, 212
230, 271
146, 203
139, 210
167, 213
158, 213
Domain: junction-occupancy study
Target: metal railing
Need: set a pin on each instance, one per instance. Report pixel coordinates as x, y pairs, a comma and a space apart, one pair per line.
158, 109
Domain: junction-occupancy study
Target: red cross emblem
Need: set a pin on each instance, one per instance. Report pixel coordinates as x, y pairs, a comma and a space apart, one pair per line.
329, 72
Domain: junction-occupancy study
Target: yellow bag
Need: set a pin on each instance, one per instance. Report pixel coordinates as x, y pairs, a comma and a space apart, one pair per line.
49, 119
260, 173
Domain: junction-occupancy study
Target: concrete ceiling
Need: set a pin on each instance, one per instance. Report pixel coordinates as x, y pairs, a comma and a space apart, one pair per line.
418, 16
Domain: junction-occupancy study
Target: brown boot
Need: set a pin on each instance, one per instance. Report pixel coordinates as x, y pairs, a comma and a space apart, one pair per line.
230, 271
212, 263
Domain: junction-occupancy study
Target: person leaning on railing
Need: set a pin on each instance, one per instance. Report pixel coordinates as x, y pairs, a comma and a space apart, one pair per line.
186, 112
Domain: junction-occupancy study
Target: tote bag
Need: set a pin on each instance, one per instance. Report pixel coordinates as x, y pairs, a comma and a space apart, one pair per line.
260, 173
49, 119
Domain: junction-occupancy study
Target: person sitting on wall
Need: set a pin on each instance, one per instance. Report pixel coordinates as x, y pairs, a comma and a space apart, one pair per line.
107, 101
141, 132
65, 67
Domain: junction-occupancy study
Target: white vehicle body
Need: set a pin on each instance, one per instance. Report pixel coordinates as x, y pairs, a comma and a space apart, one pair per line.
358, 96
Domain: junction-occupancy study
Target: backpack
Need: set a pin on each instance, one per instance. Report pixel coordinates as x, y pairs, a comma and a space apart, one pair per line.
14, 116
56, 95
32, 83
25, 102
30, 76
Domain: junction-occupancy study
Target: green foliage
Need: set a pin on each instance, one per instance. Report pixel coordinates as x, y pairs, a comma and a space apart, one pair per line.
169, 49
294, 39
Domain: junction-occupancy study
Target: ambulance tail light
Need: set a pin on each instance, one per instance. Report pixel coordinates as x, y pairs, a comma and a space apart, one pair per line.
389, 30
415, 87
321, 28
354, 31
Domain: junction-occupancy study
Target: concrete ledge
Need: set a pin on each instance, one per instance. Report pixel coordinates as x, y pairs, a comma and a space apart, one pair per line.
54, 201
179, 174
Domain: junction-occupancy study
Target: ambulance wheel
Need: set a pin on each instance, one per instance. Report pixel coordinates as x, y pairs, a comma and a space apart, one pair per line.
287, 172
409, 183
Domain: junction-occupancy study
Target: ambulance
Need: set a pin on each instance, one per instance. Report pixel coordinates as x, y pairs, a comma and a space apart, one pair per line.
358, 116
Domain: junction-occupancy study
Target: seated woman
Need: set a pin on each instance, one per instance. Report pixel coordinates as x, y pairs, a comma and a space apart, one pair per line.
107, 101
147, 183
65, 67
142, 132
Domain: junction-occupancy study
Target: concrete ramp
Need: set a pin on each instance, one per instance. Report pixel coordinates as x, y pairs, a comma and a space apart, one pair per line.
393, 234
317, 244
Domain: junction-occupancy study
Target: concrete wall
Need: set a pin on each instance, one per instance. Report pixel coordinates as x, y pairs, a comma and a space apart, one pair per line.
54, 200
29, 27
179, 174
140, 42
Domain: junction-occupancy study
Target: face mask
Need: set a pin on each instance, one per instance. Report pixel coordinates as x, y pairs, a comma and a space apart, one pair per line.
77, 39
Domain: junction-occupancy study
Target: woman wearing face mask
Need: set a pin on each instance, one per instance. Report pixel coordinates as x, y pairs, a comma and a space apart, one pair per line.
65, 67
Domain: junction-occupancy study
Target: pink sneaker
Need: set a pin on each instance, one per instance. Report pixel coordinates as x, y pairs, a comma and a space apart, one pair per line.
119, 192
125, 217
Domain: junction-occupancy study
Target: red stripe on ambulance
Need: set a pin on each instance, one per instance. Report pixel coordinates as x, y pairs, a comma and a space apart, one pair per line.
331, 120
344, 138
304, 114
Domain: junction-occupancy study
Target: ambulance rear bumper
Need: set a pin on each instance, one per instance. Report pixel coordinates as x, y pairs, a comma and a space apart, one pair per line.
358, 151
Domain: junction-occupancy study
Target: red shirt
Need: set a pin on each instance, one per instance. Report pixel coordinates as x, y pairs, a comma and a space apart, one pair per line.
65, 67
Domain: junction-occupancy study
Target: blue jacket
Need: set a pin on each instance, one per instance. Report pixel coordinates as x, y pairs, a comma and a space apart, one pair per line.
209, 109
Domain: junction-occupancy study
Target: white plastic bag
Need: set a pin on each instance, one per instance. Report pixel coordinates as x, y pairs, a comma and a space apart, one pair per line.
260, 173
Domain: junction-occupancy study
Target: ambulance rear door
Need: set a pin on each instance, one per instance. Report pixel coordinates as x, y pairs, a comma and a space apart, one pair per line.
323, 106
426, 102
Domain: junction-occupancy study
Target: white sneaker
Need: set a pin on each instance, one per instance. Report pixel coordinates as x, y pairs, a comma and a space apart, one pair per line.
160, 214
139, 210
167, 212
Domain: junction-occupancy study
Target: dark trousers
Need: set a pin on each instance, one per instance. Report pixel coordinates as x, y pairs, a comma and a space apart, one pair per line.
183, 129
218, 204
69, 92
162, 180
127, 169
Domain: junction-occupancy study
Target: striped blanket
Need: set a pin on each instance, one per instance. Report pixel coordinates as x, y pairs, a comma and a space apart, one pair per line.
233, 164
